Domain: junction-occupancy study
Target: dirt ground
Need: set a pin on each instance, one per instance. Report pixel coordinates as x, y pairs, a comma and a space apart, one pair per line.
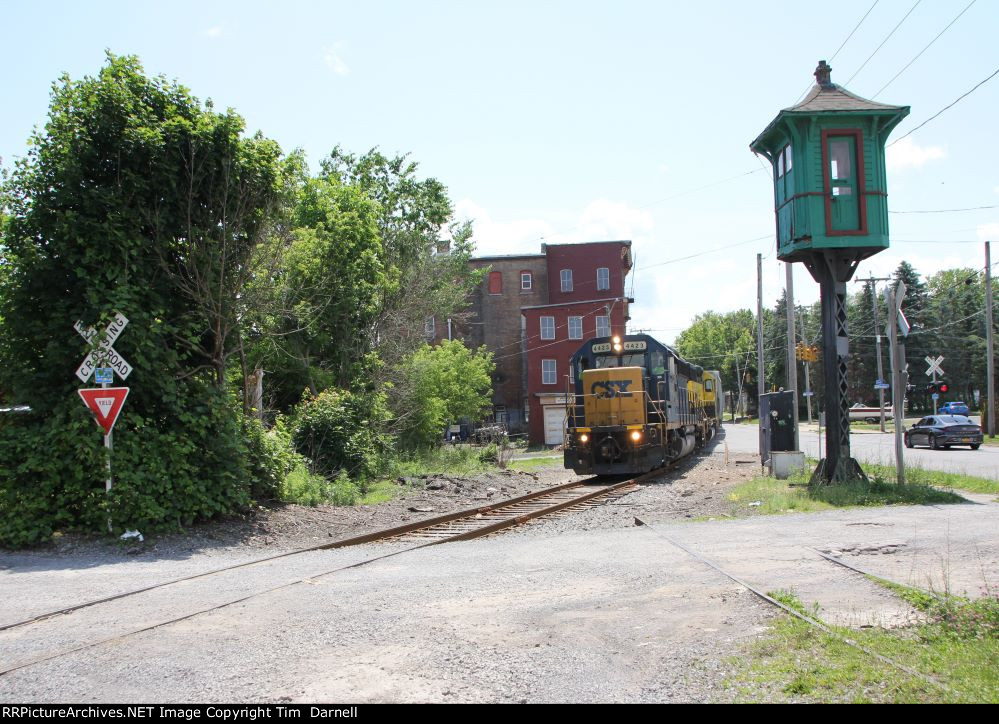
696, 488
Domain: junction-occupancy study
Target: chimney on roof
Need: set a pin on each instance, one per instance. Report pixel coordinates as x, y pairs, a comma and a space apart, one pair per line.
822, 73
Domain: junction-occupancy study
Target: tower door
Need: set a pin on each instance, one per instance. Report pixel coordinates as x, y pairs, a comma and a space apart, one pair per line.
844, 207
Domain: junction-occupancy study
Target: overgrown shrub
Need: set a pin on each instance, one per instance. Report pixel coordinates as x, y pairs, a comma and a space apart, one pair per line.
271, 457
305, 488
342, 431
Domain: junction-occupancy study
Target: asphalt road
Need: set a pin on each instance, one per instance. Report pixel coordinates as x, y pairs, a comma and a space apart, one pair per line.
872, 446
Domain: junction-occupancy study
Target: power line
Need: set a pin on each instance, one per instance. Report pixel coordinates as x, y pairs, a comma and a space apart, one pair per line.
946, 211
887, 37
924, 49
708, 251
945, 108
841, 45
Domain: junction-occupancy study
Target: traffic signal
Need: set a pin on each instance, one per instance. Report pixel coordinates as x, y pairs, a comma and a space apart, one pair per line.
799, 351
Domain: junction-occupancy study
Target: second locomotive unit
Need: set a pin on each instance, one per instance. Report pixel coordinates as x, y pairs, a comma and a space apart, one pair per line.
637, 405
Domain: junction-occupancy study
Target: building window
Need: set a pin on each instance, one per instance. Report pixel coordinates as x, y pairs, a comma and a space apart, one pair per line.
526, 281
430, 329
603, 278
499, 414
603, 326
548, 372
495, 282
566, 276
575, 327
548, 328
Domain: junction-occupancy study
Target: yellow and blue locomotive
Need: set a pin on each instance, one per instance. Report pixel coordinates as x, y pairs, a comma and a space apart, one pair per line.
637, 405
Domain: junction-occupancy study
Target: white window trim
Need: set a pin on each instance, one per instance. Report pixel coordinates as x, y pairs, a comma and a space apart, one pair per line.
562, 280
607, 328
526, 277
606, 284
580, 335
544, 372
542, 326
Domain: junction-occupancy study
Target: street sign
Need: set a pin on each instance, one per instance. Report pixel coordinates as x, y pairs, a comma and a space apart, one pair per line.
808, 393
104, 376
881, 386
104, 353
934, 365
935, 396
105, 403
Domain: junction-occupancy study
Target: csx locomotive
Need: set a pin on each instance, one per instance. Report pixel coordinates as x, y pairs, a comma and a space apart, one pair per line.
637, 405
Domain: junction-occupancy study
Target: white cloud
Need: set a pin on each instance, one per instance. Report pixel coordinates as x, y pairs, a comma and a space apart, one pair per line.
906, 154
333, 61
213, 32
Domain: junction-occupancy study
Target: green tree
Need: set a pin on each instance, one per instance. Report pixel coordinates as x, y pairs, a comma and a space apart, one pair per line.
315, 312
723, 342
135, 198
438, 385
425, 251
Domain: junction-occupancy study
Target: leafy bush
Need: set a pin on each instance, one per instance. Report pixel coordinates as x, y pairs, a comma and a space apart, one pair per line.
305, 488
271, 457
340, 431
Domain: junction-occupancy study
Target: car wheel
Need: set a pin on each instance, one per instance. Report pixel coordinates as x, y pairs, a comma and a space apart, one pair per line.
871, 420
934, 443
908, 441
976, 446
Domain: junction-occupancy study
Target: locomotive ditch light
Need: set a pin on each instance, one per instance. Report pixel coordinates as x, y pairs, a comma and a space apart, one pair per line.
636, 435
584, 438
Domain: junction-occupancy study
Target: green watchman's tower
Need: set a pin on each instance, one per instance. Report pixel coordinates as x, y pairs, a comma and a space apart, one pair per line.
831, 207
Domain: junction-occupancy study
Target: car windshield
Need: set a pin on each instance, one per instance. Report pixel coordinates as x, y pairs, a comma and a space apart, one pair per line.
955, 420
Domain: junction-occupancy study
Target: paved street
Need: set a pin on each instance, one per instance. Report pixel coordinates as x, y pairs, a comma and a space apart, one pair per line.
872, 446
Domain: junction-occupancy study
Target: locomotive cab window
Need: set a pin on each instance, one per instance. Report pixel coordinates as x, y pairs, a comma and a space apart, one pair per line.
621, 360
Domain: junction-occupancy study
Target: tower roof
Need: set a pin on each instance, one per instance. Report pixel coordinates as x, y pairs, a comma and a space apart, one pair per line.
826, 97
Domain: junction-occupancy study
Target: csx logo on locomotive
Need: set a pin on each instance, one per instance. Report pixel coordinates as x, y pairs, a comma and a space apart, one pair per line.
610, 388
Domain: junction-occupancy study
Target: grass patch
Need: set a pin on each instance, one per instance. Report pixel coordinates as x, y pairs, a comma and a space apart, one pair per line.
937, 478
528, 465
797, 663
454, 459
381, 492
768, 496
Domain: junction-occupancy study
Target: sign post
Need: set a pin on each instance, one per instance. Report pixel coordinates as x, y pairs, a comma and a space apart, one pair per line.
102, 362
934, 368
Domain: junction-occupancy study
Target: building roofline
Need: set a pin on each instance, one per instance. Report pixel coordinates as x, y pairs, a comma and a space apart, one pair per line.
507, 257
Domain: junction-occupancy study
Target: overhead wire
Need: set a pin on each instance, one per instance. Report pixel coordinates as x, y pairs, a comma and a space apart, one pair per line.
887, 37
947, 107
894, 77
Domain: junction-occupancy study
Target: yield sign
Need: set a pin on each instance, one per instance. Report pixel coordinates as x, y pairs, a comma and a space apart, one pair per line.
105, 403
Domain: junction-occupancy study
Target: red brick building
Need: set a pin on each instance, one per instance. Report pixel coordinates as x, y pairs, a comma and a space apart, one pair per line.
534, 311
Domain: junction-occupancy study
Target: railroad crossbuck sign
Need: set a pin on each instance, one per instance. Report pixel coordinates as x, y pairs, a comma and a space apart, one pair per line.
105, 403
104, 353
934, 366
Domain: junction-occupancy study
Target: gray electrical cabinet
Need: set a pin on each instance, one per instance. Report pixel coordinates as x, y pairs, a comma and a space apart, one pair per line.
777, 421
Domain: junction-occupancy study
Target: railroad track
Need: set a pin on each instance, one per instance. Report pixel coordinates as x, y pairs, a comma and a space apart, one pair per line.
459, 526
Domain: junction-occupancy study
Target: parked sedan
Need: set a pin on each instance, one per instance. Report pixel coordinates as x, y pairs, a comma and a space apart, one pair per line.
942, 431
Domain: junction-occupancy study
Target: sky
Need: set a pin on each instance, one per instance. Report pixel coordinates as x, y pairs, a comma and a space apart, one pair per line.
576, 121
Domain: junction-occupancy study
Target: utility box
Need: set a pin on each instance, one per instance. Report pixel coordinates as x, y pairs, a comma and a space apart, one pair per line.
777, 422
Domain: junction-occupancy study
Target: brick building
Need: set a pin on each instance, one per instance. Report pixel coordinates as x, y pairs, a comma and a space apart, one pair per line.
534, 311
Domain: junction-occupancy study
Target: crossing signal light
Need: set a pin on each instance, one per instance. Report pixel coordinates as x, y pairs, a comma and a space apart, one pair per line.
943, 386
935, 388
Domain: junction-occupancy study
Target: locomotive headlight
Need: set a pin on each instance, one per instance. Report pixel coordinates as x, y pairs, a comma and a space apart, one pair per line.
584, 438
617, 347
636, 435
616, 340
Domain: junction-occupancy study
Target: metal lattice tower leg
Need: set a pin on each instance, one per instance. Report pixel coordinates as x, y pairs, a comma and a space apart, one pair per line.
832, 270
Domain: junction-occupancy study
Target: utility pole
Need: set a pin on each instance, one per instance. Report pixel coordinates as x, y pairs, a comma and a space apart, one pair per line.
990, 354
759, 343
877, 337
898, 377
792, 368
808, 382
